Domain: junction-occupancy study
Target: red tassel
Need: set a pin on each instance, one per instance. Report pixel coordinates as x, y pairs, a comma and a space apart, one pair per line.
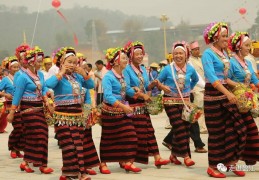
75, 39
62, 16
66, 21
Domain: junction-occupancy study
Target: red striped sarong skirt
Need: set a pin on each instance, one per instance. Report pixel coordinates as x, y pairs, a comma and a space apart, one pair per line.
180, 130
147, 144
35, 132
16, 139
75, 141
118, 138
226, 128
251, 152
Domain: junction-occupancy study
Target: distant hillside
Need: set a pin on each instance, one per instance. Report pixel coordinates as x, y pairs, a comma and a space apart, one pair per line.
51, 28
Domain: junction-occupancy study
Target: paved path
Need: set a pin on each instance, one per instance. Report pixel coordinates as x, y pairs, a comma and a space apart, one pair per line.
9, 168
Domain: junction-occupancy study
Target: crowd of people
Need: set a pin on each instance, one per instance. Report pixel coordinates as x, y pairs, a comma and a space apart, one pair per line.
38, 91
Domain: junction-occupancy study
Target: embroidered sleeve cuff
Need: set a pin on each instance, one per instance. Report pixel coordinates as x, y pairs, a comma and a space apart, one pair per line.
87, 77
59, 77
216, 83
14, 107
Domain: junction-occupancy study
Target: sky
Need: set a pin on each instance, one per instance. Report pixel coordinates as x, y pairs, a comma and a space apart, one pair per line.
193, 11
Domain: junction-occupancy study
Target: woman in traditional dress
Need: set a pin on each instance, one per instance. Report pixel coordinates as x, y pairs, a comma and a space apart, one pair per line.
16, 140
226, 128
241, 71
30, 93
118, 139
68, 117
137, 78
186, 78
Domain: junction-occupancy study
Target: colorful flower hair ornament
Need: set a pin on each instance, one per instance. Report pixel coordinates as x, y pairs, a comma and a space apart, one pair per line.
11, 61
81, 58
65, 53
20, 50
131, 46
39, 53
30, 56
213, 30
237, 39
112, 55
4, 62
184, 46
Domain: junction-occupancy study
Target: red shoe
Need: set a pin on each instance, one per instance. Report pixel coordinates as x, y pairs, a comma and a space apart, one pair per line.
45, 170
159, 163
91, 172
129, 168
104, 171
174, 160
26, 168
212, 173
62, 178
122, 165
19, 155
13, 154
239, 173
190, 163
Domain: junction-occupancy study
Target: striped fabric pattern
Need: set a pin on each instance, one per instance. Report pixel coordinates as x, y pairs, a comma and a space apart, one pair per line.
16, 139
180, 131
147, 144
118, 139
226, 129
36, 134
71, 141
251, 152
90, 153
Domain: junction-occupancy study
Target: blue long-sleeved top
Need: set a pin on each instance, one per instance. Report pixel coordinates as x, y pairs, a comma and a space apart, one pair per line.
237, 73
112, 89
63, 90
25, 89
87, 99
7, 85
132, 79
213, 67
191, 79
152, 76
16, 75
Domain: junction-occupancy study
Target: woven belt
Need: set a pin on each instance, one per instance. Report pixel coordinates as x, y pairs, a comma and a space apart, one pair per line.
113, 111
32, 110
214, 98
173, 100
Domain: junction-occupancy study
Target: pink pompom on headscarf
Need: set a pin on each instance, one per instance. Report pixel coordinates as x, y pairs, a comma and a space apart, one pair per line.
206, 32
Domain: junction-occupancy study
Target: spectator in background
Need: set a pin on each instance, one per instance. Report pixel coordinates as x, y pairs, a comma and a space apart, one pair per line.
254, 55
89, 69
99, 74
153, 74
46, 65
198, 91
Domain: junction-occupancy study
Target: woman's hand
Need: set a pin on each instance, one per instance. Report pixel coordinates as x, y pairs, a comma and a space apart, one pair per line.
80, 71
146, 97
232, 98
127, 109
64, 69
10, 116
166, 89
8, 96
136, 89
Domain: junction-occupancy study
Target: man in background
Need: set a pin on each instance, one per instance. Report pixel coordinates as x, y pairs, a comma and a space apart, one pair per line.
99, 74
